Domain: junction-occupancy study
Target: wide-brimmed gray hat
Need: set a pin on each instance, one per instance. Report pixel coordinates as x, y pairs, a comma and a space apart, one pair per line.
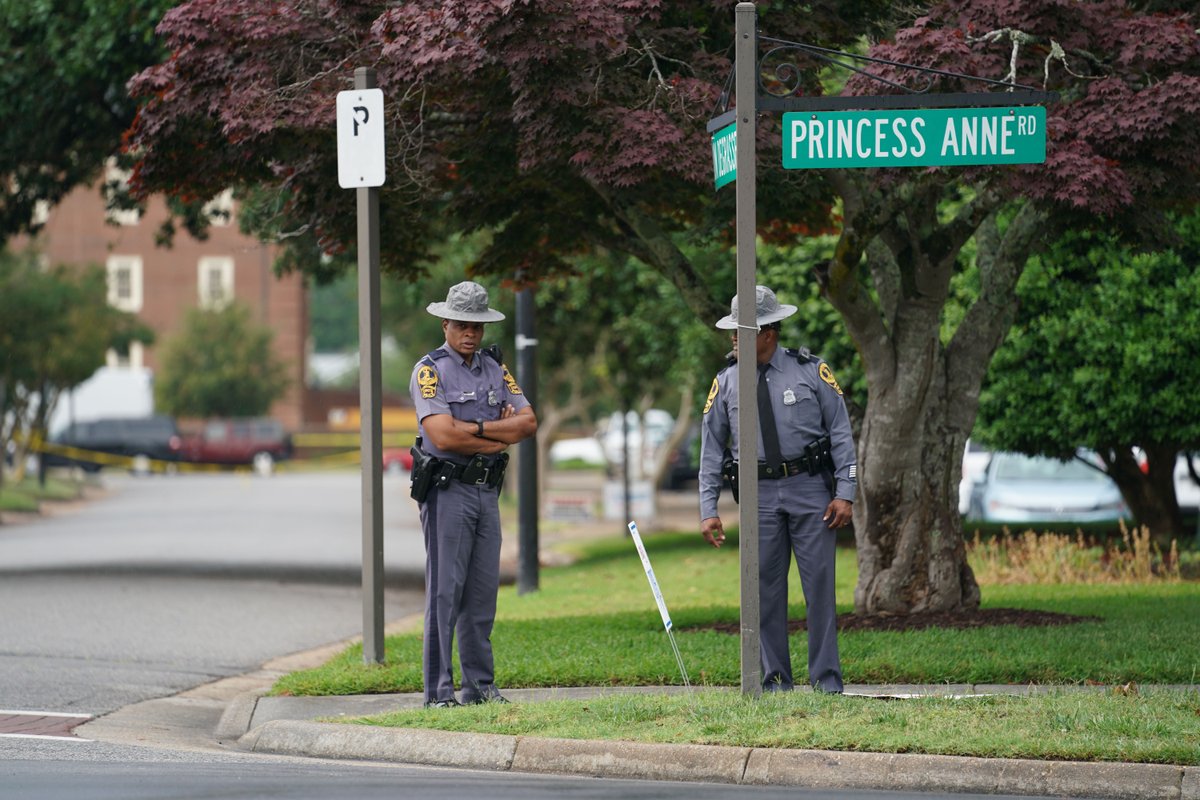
465, 302
767, 307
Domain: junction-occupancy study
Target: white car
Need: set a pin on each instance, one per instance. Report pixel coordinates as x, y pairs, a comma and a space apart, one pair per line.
975, 461
1187, 491
657, 424
586, 450
1016, 488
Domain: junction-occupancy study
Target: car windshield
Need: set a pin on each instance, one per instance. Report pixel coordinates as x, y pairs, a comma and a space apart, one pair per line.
1024, 468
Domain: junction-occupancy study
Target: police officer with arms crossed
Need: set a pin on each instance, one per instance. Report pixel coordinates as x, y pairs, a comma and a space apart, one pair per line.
469, 410
807, 478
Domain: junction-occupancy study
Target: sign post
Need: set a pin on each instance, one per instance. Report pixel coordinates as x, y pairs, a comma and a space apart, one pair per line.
361, 166
908, 129
746, 88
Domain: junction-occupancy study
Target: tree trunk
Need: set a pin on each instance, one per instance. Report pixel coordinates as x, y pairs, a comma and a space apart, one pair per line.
923, 391
1150, 494
911, 554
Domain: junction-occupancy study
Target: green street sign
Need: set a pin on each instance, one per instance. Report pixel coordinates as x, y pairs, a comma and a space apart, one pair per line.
935, 137
724, 147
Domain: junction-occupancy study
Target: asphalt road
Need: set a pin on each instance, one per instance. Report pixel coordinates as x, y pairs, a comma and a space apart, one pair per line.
173, 582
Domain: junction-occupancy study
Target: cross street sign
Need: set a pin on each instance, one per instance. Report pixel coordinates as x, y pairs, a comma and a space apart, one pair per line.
724, 149
914, 138
360, 138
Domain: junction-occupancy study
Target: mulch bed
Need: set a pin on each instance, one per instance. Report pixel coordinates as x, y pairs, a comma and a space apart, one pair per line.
978, 618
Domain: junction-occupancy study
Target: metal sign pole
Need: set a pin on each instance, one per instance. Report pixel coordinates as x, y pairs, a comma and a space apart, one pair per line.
746, 87
527, 451
370, 400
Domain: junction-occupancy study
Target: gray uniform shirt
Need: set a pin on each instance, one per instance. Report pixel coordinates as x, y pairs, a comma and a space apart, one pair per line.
442, 383
808, 404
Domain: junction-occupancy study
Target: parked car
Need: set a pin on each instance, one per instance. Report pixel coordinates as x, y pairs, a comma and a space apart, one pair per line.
585, 450
1187, 491
133, 443
397, 459
683, 464
1017, 488
260, 442
975, 461
657, 425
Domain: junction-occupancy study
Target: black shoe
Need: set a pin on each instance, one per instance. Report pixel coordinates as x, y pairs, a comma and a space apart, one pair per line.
495, 698
451, 703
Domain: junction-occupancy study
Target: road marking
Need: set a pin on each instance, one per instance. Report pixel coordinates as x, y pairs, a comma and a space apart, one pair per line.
41, 725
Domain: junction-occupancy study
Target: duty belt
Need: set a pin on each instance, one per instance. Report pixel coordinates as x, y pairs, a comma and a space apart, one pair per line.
794, 467
478, 471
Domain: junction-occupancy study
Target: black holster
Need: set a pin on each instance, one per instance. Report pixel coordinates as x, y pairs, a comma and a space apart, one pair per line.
820, 461
425, 472
729, 471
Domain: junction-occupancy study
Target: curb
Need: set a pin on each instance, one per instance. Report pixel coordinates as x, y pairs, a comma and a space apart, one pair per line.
723, 764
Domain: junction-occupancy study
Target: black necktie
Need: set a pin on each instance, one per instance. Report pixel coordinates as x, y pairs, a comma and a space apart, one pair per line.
766, 420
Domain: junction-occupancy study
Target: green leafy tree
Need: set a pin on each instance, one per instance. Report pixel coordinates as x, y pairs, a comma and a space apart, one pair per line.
1103, 355
220, 364
55, 328
63, 69
577, 126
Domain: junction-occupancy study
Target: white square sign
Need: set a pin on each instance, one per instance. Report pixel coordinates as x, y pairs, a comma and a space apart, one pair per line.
360, 138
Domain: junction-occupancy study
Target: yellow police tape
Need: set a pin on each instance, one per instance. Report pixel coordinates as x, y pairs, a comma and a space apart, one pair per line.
145, 464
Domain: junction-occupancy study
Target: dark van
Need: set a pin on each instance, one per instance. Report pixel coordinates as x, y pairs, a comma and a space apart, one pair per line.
133, 443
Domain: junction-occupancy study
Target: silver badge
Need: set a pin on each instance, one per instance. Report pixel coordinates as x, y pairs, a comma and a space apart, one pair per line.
789, 397
492, 400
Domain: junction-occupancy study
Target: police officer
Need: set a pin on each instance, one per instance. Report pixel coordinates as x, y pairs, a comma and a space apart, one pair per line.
469, 410
807, 478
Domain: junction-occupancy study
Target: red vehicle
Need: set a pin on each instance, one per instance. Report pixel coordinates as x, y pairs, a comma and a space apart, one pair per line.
260, 442
397, 459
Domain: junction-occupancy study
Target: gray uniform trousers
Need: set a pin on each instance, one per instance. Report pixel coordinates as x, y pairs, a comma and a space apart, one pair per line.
461, 524
789, 521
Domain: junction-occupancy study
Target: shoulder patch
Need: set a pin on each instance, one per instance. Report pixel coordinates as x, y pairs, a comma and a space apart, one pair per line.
510, 381
827, 376
438, 354
712, 395
427, 379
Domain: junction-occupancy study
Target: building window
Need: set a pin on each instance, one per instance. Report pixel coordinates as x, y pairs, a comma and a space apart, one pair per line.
125, 282
117, 180
134, 359
219, 210
215, 282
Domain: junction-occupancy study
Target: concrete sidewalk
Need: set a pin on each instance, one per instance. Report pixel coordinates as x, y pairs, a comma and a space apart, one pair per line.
288, 726
235, 712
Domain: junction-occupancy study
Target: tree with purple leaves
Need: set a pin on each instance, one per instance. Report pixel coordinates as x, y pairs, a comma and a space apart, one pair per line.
571, 126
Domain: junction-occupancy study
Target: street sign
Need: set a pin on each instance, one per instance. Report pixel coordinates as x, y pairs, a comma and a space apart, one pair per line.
932, 137
360, 143
724, 149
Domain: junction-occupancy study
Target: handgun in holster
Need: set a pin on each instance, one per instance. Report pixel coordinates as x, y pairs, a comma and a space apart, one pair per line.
729, 471
425, 470
820, 460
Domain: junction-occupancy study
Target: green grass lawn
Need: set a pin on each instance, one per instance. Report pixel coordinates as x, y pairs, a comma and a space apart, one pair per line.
29, 494
594, 623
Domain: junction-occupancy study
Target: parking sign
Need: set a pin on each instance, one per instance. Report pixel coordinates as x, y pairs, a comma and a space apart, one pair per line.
360, 138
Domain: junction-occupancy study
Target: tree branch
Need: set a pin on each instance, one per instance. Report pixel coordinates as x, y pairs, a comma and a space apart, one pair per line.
656, 248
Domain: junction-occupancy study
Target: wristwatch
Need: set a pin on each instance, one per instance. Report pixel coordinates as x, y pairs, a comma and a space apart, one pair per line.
479, 428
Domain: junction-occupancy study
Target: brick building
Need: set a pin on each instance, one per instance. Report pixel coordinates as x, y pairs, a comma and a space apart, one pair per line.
160, 284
